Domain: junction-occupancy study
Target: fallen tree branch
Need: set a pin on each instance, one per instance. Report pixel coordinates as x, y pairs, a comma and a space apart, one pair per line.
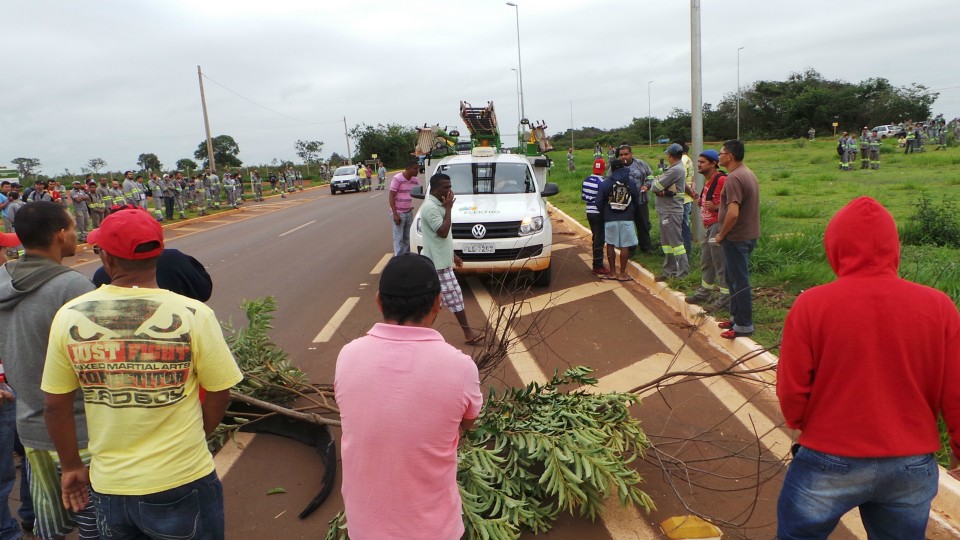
266, 405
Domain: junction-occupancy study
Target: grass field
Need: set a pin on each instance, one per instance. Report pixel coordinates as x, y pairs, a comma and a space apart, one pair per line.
801, 187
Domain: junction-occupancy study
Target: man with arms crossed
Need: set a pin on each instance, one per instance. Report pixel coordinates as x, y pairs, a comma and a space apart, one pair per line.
139, 354
400, 448
867, 364
401, 206
31, 292
739, 229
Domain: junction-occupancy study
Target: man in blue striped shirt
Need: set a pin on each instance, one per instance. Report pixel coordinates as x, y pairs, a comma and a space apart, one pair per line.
591, 185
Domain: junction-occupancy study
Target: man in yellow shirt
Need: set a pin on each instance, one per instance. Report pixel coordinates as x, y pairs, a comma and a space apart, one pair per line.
140, 355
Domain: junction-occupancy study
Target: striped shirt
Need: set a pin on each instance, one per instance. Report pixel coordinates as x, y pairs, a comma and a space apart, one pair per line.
591, 185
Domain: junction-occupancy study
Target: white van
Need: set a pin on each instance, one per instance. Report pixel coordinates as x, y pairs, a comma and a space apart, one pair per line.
499, 221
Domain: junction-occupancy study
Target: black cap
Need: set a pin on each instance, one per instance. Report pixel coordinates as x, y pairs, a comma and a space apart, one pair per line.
409, 274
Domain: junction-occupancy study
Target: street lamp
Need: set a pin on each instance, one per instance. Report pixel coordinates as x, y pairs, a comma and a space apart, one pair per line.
519, 111
649, 115
738, 92
516, 10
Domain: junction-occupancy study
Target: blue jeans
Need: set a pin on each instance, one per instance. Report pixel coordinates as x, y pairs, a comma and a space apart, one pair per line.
893, 495
401, 233
685, 228
736, 261
9, 529
193, 511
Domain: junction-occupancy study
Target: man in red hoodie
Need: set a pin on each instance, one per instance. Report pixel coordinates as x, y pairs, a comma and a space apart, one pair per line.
867, 363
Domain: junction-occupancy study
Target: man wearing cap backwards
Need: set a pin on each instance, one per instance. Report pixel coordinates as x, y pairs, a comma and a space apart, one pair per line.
404, 396
669, 189
140, 355
712, 278
739, 229
31, 291
588, 193
435, 218
867, 364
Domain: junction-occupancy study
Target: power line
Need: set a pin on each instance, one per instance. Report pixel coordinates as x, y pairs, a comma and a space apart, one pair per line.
264, 107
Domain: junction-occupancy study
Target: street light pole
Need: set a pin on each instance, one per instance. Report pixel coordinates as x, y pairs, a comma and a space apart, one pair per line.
738, 92
649, 115
516, 10
519, 110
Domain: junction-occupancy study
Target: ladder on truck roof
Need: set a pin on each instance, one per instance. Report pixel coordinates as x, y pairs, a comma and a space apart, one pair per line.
481, 122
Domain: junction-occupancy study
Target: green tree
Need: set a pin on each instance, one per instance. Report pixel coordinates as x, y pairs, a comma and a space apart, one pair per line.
225, 151
392, 143
149, 162
308, 151
186, 164
27, 166
96, 164
336, 159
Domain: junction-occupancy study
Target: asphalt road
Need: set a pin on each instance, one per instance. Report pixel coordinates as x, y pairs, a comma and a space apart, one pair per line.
320, 257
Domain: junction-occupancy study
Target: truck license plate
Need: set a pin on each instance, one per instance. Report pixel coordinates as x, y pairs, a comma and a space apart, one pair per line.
479, 248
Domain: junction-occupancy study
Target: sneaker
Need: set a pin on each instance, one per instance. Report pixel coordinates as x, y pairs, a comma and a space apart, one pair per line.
733, 334
702, 295
602, 271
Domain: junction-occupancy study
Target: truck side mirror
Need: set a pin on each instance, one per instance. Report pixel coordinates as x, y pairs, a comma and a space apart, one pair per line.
550, 189
417, 192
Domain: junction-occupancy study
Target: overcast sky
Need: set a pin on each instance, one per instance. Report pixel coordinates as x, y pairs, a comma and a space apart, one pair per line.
117, 78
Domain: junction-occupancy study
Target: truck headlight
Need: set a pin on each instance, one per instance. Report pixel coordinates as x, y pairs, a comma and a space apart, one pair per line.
531, 225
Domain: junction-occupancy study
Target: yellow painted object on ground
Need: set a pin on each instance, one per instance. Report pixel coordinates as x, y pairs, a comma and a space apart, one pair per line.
681, 527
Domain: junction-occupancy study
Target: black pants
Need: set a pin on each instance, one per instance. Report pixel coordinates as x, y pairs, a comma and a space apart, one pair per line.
168, 207
596, 227
642, 220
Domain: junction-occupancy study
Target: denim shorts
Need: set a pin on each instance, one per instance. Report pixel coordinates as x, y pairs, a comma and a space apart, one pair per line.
893, 495
193, 511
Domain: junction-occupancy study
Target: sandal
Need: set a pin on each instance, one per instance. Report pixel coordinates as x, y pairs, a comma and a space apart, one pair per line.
725, 325
624, 278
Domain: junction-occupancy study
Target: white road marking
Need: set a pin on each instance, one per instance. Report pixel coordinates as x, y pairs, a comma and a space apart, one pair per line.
383, 262
297, 228
334, 323
230, 453
377, 195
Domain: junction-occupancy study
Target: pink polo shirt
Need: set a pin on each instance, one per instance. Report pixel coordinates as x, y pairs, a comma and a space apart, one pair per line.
402, 393
403, 187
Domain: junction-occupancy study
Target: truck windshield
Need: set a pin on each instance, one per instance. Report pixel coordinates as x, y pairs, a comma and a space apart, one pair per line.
487, 178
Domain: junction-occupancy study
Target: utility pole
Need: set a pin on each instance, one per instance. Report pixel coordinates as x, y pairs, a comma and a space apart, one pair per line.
347, 137
738, 92
696, 109
206, 123
571, 124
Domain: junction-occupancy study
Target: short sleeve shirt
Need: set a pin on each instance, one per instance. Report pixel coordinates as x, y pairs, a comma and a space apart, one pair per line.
439, 250
140, 356
402, 187
741, 187
400, 449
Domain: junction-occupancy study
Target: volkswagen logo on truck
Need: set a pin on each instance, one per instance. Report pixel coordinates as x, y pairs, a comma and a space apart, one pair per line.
479, 231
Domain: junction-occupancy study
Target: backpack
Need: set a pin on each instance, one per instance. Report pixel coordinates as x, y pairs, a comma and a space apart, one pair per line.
619, 196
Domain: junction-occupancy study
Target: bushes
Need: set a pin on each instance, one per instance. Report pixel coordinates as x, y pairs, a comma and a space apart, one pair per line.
932, 225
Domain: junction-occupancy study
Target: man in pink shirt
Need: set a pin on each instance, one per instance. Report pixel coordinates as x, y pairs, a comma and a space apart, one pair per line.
401, 206
404, 395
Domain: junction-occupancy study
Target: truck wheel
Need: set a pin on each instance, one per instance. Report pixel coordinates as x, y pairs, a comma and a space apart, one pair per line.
333, 191
542, 278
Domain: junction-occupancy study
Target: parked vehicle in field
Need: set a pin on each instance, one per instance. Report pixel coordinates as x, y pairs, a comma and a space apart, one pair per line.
887, 131
499, 222
345, 178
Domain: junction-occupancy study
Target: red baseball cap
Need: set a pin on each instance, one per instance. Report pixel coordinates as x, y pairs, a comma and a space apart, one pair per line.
599, 166
125, 233
9, 239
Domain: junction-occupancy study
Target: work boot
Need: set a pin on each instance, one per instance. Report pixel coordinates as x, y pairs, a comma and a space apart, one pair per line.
721, 303
699, 297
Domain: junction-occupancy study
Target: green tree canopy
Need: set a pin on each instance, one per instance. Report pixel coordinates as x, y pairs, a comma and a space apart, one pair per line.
392, 143
96, 164
27, 166
149, 162
186, 164
308, 151
225, 151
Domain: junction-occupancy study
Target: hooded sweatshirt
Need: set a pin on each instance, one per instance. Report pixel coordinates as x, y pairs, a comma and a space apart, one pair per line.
868, 361
32, 289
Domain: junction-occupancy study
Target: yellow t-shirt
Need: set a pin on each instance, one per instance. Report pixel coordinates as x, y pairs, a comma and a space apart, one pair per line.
688, 169
140, 356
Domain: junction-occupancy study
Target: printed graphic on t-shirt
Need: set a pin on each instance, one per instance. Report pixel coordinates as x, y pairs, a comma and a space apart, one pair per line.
619, 196
130, 353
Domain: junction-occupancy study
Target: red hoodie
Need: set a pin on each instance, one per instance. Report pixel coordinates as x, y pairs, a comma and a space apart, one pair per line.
869, 360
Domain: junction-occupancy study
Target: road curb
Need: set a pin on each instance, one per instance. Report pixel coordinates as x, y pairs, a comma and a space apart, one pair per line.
946, 505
